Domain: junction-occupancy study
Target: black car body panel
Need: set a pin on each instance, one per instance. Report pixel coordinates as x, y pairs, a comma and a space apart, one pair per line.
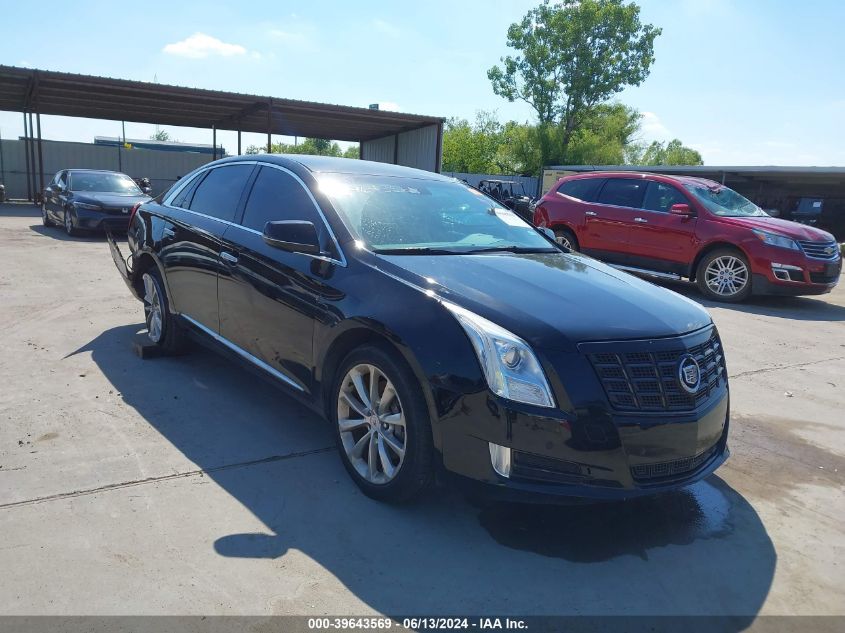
295, 315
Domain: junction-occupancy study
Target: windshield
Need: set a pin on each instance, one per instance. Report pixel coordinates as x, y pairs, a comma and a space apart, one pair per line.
723, 201
103, 182
408, 216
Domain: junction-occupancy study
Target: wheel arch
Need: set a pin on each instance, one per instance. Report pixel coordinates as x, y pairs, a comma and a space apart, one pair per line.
357, 334
143, 262
709, 248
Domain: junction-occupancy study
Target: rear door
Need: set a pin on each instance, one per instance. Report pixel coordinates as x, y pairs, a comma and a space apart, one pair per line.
191, 237
609, 220
660, 240
269, 298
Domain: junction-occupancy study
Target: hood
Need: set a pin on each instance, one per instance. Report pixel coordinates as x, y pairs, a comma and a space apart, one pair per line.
108, 199
784, 227
552, 300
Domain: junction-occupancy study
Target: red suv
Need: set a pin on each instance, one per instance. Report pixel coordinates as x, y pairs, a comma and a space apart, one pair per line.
679, 226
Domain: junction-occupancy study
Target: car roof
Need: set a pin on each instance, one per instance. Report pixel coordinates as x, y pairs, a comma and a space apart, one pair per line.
95, 171
334, 165
691, 180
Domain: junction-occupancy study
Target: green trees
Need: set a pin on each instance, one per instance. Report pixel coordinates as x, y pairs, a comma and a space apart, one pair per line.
572, 57
672, 153
314, 146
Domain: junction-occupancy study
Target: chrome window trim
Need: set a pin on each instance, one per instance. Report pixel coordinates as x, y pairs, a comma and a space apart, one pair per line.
244, 354
340, 262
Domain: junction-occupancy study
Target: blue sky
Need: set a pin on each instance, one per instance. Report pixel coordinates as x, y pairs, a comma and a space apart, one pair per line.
743, 81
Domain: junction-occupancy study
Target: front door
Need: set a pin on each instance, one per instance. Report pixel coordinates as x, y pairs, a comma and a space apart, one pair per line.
270, 298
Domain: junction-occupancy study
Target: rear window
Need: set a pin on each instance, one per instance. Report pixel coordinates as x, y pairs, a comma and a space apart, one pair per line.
582, 189
623, 192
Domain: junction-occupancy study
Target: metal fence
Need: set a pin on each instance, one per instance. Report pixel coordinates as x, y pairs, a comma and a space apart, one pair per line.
530, 183
161, 167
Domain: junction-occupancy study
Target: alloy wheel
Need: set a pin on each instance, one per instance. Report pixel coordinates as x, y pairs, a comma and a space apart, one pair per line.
371, 424
152, 308
68, 223
563, 240
726, 276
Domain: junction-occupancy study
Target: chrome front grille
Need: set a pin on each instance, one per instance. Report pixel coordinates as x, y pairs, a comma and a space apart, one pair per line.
649, 380
819, 250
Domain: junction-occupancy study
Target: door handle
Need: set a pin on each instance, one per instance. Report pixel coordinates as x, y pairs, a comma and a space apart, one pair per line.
168, 232
228, 257
641, 220
590, 213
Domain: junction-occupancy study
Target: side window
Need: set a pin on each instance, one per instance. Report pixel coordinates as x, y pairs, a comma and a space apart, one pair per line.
276, 195
623, 192
661, 197
62, 179
583, 189
183, 198
220, 191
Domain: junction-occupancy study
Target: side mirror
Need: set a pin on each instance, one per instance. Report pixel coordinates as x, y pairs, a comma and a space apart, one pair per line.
295, 236
681, 209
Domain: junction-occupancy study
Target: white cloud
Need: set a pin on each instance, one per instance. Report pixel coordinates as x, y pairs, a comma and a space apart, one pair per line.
201, 45
652, 127
386, 28
288, 37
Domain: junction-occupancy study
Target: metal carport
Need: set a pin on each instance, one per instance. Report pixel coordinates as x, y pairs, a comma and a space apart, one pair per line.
414, 140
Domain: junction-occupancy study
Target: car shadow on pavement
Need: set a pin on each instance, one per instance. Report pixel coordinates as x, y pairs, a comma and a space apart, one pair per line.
810, 308
58, 233
701, 550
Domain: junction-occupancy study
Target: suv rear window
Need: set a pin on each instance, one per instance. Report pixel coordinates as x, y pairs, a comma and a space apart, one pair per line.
623, 192
582, 189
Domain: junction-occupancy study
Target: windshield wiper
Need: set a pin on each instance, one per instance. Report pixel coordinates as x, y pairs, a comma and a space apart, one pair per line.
512, 249
416, 250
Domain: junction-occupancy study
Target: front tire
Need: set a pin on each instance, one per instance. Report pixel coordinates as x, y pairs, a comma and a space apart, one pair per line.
69, 224
45, 217
724, 275
382, 426
162, 328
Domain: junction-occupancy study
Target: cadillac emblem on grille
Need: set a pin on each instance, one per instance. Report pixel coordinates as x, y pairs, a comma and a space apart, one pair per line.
125, 210
689, 373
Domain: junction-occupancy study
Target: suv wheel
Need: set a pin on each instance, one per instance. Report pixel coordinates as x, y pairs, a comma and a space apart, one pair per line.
383, 431
724, 275
567, 239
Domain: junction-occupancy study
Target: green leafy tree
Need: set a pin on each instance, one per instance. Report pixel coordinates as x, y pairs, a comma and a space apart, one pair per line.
573, 56
313, 146
160, 135
672, 153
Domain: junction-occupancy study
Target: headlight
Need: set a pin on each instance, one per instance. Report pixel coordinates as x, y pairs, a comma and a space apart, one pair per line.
509, 364
85, 205
773, 239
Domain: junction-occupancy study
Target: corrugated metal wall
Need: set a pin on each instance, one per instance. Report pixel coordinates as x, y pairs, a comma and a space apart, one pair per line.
416, 148
530, 183
162, 168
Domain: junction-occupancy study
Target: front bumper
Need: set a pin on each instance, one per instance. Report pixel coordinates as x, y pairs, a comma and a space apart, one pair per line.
91, 220
784, 272
587, 448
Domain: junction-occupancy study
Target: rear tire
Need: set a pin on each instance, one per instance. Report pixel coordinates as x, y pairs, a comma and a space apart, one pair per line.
567, 239
162, 328
724, 275
382, 425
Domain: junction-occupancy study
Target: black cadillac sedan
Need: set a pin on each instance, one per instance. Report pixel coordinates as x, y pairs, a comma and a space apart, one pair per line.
90, 199
434, 328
